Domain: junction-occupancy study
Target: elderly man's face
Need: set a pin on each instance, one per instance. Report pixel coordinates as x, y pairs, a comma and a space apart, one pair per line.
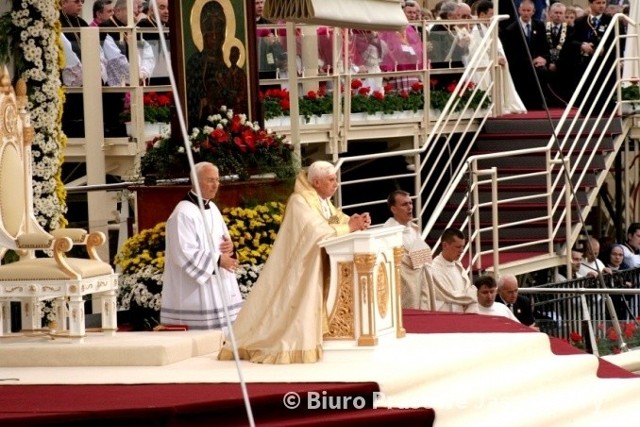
325, 186
509, 291
557, 15
209, 179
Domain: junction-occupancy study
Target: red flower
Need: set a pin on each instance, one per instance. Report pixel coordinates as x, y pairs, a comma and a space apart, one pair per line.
403, 94
388, 88
236, 124
164, 100
452, 86
312, 95
612, 335
575, 337
378, 95
248, 137
284, 104
417, 86
356, 84
238, 141
219, 135
364, 91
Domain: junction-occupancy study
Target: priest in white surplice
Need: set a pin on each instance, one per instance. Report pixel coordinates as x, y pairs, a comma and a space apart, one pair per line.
191, 293
417, 287
454, 291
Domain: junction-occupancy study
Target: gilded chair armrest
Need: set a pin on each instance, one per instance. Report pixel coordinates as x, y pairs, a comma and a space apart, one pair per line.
77, 235
60, 246
34, 241
95, 239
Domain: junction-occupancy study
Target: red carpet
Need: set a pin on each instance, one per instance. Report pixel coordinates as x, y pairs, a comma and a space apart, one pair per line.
205, 404
416, 321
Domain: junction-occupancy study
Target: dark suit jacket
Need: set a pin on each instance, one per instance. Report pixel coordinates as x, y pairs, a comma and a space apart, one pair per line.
522, 309
520, 66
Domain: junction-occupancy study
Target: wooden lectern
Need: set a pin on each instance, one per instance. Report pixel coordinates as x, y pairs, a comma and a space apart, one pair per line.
363, 303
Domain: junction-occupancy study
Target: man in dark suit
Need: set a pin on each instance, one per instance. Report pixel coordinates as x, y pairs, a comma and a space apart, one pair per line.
518, 304
527, 50
587, 35
557, 32
540, 12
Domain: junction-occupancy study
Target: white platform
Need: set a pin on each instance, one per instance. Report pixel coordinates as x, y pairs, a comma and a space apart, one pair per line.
123, 349
471, 379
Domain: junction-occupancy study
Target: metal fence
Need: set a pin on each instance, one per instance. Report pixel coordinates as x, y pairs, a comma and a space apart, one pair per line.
599, 311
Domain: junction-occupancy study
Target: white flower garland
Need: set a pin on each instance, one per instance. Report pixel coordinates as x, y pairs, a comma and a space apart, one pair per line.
39, 29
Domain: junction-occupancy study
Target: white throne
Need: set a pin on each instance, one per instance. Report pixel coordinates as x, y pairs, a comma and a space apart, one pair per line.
32, 280
363, 303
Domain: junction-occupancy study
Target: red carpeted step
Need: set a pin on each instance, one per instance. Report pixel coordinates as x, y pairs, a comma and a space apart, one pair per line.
417, 321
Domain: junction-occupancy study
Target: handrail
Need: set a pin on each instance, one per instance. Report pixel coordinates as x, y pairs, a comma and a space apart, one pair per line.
564, 304
477, 66
577, 160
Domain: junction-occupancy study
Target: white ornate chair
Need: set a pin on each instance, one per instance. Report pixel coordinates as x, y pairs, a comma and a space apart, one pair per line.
32, 280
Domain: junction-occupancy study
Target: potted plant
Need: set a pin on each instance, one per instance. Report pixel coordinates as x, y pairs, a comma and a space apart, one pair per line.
275, 103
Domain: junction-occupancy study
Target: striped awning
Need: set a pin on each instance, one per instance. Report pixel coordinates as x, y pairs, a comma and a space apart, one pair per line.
362, 14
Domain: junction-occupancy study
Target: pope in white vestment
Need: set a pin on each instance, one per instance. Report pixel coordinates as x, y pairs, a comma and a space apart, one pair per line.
192, 294
284, 316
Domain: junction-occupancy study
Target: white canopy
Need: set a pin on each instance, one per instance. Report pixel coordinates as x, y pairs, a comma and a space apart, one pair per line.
362, 14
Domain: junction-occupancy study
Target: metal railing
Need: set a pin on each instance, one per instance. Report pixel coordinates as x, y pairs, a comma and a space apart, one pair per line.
568, 160
595, 309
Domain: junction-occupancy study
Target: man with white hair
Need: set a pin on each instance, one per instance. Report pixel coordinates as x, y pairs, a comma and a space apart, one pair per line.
192, 292
519, 304
284, 318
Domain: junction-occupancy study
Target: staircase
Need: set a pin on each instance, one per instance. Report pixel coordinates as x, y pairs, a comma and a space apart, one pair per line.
514, 147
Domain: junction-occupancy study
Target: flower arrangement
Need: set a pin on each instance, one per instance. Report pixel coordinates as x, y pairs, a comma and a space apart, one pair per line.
316, 103
253, 231
275, 103
607, 337
157, 107
440, 96
235, 145
141, 259
363, 100
32, 41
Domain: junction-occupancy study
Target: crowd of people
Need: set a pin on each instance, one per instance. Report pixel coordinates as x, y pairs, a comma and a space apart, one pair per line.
547, 43
114, 56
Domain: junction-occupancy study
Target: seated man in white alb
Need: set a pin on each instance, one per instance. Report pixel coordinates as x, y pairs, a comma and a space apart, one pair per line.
453, 289
417, 285
487, 289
